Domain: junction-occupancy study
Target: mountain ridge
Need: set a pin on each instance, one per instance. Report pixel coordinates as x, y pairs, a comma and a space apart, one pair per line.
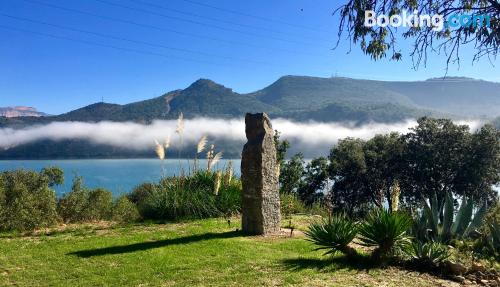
303, 98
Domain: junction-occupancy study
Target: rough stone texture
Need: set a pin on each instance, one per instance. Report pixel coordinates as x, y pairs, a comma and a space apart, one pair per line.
261, 201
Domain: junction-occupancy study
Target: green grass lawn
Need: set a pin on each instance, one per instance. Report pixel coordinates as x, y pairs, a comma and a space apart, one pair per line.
193, 253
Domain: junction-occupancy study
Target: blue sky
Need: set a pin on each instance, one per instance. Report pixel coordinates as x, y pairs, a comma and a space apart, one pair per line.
135, 50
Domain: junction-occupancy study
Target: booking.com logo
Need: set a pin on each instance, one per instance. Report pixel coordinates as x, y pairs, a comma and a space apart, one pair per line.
436, 21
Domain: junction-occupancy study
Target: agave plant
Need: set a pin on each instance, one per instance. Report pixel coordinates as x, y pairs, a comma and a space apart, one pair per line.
438, 223
333, 235
490, 243
428, 253
387, 231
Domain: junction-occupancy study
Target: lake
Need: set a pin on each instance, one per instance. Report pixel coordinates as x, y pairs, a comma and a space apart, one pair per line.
117, 175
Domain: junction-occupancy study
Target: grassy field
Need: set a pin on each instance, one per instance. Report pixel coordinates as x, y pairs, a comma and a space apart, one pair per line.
193, 253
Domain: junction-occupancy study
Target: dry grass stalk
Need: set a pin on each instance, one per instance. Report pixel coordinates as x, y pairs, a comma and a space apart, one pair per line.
160, 150
180, 124
214, 160
218, 177
228, 175
201, 144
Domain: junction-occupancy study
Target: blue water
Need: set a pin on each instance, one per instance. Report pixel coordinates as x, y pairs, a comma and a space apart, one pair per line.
117, 175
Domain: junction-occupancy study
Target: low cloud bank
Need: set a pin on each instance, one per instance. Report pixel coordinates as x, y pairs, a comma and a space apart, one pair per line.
304, 135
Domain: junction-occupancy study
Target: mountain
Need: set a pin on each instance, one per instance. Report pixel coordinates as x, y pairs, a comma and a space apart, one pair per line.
14, 112
299, 98
454, 95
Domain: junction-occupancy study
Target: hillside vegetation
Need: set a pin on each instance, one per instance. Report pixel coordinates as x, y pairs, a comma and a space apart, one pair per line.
303, 98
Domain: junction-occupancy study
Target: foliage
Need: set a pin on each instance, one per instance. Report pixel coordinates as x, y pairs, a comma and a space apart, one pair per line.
489, 242
365, 172
428, 253
378, 41
314, 181
54, 174
189, 196
387, 231
100, 204
125, 211
347, 166
437, 156
291, 204
83, 205
281, 146
438, 223
333, 234
140, 193
26, 200
444, 157
291, 173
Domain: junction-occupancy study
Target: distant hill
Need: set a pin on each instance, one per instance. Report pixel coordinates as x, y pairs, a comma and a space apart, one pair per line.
299, 98
14, 112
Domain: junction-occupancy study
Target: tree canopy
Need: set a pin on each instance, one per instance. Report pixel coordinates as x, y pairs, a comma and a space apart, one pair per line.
380, 42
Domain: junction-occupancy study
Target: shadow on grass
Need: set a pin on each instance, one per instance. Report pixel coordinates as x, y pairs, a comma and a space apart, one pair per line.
359, 262
154, 244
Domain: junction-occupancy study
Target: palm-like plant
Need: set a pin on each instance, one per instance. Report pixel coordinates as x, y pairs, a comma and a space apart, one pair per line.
333, 235
428, 253
438, 223
387, 231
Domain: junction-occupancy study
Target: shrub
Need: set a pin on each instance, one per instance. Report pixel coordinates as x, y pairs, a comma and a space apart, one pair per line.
140, 193
172, 202
125, 211
100, 204
387, 231
488, 245
318, 208
333, 235
199, 195
291, 204
440, 225
428, 254
26, 201
228, 200
82, 205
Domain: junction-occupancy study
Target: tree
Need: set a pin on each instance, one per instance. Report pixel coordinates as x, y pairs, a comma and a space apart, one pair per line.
315, 180
481, 170
384, 165
365, 172
444, 157
282, 147
349, 192
291, 174
378, 41
54, 175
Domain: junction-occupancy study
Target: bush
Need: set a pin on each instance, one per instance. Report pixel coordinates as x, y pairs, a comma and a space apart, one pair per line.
428, 254
171, 201
125, 211
100, 204
488, 245
26, 201
83, 205
228, 201
333, 235
291, 204
200, 195
140, 193
387, 231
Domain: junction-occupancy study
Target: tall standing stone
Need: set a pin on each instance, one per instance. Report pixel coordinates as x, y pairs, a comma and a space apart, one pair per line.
261, 201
